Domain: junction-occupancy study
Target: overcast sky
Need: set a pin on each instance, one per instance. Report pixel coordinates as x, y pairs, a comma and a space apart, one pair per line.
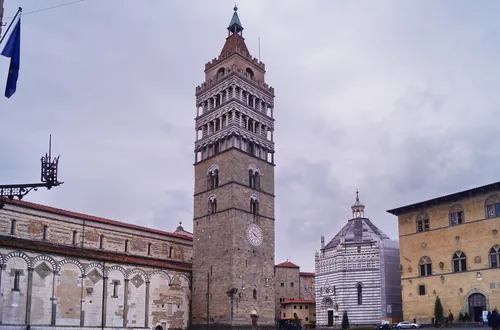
398, 99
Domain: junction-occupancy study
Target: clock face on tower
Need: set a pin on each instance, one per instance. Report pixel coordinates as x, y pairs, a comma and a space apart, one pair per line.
254, 235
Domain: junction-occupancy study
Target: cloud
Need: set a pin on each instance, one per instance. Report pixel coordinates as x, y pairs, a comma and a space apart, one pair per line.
395, 99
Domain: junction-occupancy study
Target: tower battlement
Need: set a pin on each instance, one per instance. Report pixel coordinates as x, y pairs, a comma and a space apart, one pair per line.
239, 72
231, 52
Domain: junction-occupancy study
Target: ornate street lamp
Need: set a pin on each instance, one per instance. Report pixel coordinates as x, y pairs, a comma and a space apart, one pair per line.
48, 179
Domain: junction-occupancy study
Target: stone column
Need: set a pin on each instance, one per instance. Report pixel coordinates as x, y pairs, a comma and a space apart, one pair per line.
28, 295
82, 304
125, 303
146, 309
54, 300
104, 301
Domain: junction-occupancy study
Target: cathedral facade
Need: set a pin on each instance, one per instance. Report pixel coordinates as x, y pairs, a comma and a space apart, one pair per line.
233, 250
64, 269
358, 272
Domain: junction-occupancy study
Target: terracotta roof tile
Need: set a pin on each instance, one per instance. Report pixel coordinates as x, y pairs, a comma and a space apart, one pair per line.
287, 264
298, 301
233, 44
67, 213
92, 254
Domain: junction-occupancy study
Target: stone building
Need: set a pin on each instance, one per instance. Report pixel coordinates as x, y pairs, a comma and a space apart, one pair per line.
303, 310
358, 272
450, 247
233, 250
64, 269
291, 285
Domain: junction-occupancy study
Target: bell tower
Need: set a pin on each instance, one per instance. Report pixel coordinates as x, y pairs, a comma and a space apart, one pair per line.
233, 229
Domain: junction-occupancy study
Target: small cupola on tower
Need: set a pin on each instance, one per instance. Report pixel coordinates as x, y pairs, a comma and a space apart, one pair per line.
235, 26
358, 209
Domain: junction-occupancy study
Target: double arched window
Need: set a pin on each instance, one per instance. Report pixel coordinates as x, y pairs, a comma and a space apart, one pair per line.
253, 177
425, 266
213, 176
423, 222
459, 262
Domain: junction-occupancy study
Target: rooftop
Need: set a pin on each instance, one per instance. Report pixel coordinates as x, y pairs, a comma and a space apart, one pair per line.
446, 199
357, 230
298, 301
287, 264
53, 210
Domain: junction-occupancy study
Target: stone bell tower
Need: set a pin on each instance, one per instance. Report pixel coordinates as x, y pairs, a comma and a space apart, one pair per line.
233, 257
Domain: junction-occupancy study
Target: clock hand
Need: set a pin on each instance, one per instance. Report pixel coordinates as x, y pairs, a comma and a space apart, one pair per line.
254, 234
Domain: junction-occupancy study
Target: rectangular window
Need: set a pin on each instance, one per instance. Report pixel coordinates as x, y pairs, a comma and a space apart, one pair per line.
101, 242
284, 315
423, 225
149, 249
17, 278
169, 309
44, 234
282, 284
74, 237
307, 319
300, 306
421, 290
456, 218
13, 227
126, 245
115, 289
294, 307
490, 211
170, 252
497, 210
291, 284
493, 259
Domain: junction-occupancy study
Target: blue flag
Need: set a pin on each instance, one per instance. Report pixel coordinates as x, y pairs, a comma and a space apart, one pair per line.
12, 49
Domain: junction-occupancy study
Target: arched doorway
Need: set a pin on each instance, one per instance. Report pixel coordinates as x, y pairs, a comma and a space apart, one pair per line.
159, 327
477, 304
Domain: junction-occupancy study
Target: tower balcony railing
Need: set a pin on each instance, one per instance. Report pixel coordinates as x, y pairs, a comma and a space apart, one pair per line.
234, 71
234, 129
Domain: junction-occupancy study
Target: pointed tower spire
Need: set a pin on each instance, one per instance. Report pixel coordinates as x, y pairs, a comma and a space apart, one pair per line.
235, 26
235, 43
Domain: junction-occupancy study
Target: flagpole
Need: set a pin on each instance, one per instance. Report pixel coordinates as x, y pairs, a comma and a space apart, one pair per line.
10, 25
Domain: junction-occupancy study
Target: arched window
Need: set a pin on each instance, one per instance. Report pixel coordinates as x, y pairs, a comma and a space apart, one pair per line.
423, 222
459, 262
221, 71
492, 206
253, 179
425, 266
250, 72
456, 215
254, 206
495, 256
212, 204
254, 294
360, 294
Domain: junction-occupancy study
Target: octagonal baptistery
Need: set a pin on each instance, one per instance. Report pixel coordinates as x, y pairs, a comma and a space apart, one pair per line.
358, 272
